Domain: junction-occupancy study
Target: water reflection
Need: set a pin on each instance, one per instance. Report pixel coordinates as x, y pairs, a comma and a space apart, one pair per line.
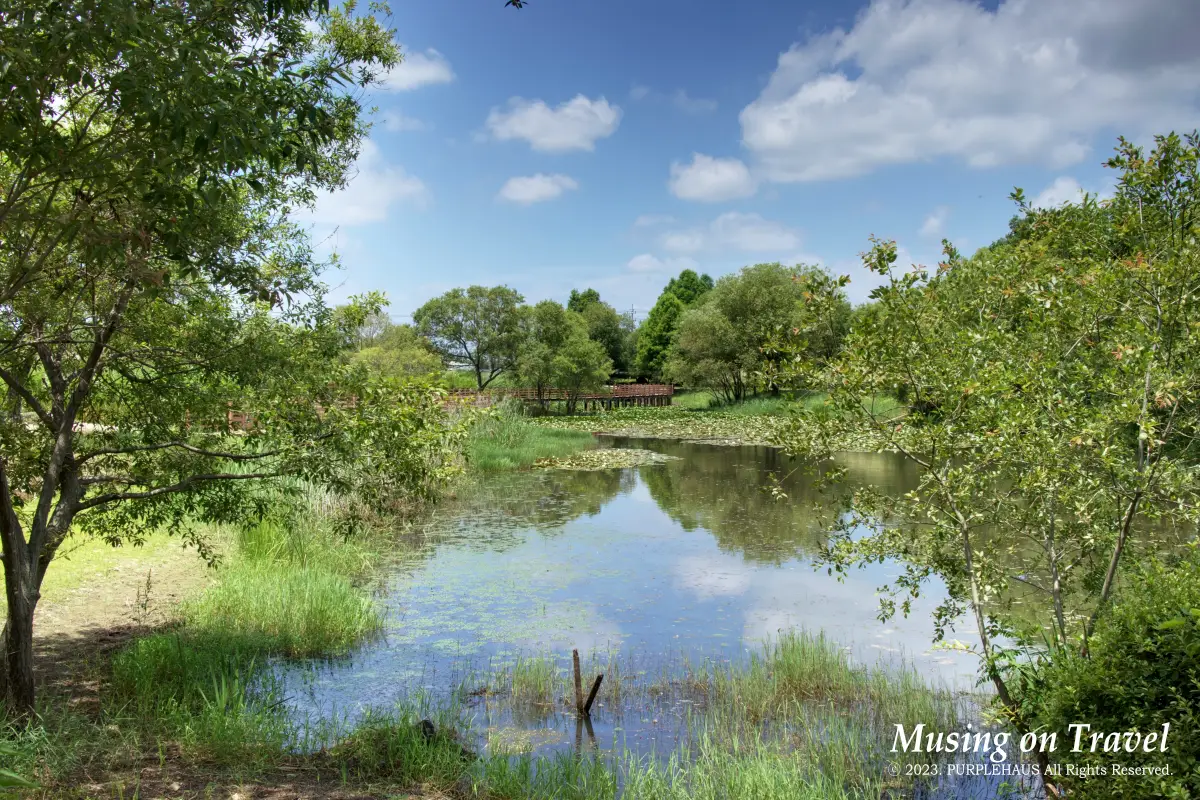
726, 492
688, 560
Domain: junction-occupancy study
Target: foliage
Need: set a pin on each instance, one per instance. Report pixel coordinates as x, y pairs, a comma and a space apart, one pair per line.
547, 328
580, 301
477, 327
1142, 671
719, 344
394, 350
612, 331
153, 281
1050, 383
8, 778
656, 333
689, 287
580, 365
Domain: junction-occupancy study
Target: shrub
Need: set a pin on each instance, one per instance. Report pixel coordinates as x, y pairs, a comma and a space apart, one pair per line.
1143, 672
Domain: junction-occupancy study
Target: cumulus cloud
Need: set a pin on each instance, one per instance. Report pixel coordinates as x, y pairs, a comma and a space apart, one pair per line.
935, 224
680, 99
647, 262
573, 125
1028, 82
650, 220
395, 122
535, 188
692, 105
370, 193
733, 231
1064, 190
416, 70
711, 179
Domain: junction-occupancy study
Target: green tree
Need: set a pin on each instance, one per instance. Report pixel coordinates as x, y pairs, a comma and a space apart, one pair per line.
548, 326
399, 351
689, 287
580, 364
651, 340
1051, 388
149, 156
655, 334
610, 330
579, 301
720, 343
478, 327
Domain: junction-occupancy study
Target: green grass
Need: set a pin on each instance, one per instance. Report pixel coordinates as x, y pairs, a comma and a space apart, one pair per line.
507, 440
294, 610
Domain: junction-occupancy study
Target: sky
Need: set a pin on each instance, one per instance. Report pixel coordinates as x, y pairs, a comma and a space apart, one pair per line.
612, 143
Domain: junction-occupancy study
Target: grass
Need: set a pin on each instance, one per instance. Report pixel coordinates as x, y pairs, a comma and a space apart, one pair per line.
297, 611
506, 439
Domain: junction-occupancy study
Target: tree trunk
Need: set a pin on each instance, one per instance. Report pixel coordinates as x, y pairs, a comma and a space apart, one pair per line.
17, 639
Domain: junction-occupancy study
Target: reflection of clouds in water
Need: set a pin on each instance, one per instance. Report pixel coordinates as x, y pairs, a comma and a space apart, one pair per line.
791, 599
589, 632
713, 575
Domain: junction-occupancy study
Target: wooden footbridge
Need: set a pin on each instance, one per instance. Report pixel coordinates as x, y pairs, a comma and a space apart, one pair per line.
622, 394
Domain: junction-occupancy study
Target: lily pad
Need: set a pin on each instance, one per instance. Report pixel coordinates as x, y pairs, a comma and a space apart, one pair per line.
608, 458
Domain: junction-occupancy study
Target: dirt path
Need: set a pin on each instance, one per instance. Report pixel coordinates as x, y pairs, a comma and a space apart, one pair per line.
98, 599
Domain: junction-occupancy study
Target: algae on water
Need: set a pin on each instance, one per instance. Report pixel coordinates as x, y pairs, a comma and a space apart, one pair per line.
609, 458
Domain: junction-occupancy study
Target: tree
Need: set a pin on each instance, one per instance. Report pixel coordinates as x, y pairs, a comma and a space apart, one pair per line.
720, 343
1052, 386
478, 327
656, 332
399, 351
580, 364
654, 336
145, 241
610, 330
689, 287
548, 327
579, 301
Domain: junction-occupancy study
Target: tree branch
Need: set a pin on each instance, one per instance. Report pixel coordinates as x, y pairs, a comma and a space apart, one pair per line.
184, 485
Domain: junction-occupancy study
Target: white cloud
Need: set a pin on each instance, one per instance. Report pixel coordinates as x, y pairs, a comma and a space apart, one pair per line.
711, 179
692, 105
1029, 82
416, 70
650, 220
935, 224
374, 187
736, 231
679, 98
573, 125
535, 188
395, 122
651, 263
1064, 190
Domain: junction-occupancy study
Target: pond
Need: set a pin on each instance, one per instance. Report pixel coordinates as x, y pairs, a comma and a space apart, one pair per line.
649, 568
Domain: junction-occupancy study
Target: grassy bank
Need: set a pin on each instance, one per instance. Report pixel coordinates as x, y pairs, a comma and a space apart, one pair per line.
507, 439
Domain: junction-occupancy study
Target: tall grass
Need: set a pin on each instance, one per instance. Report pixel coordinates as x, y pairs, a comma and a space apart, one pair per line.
506, 439
294, 610
288, 587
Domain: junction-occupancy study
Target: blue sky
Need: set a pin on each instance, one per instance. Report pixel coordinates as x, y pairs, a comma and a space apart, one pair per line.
611, 143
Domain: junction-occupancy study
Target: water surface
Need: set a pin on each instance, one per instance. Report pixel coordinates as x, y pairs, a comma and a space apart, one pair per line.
656, 566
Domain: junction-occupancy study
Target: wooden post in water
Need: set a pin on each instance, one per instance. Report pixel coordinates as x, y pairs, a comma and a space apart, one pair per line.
578, 684
587, 707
